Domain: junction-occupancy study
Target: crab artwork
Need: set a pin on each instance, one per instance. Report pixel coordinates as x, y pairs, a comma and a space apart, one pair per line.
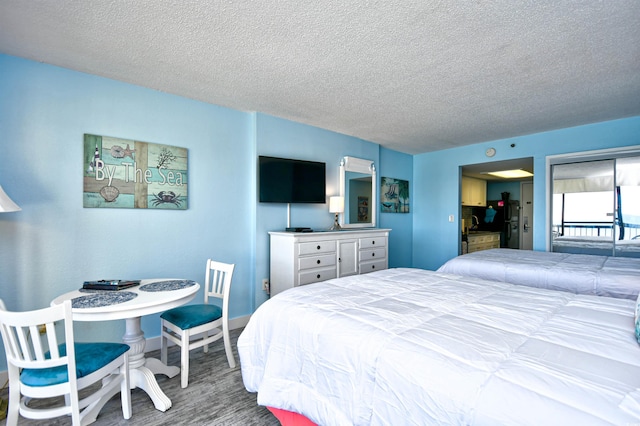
166, 197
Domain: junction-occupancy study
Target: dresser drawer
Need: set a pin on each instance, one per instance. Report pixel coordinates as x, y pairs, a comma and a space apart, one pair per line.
484, 246
316, 247
493, 237
484, 238
372, 242
372, 254
374, 265
316, 275
310, 262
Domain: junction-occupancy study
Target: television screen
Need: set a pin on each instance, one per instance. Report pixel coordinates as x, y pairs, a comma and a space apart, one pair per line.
283, 180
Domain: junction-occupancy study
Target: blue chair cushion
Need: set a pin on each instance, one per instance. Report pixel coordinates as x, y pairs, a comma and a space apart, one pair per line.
90, 357
190, 316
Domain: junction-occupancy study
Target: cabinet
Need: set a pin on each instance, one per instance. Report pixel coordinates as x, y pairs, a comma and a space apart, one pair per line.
484, 241
474, 192
299, 258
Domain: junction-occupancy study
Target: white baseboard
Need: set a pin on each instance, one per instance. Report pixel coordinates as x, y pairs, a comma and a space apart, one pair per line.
154, 342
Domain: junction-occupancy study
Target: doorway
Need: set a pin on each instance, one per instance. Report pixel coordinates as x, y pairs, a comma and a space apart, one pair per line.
512, 233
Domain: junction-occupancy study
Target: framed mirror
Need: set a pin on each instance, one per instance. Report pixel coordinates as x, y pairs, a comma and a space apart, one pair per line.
357, 186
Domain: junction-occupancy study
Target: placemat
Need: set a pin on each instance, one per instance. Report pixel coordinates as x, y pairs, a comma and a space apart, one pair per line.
168, 285
99, 298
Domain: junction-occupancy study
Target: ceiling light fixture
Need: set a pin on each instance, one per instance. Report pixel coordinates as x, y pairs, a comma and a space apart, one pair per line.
511, 174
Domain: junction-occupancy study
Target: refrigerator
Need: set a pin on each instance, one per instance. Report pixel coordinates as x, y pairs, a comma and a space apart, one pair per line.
506, 220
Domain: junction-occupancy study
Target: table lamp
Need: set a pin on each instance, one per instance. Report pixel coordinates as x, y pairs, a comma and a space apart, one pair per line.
6, 204
336, 205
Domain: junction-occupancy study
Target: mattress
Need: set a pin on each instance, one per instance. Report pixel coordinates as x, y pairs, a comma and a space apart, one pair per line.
577, 273
416, 347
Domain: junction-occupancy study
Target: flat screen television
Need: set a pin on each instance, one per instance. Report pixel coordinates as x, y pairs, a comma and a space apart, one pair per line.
284, 180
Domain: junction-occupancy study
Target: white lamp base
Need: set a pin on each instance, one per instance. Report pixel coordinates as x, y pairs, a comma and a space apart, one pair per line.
336, 226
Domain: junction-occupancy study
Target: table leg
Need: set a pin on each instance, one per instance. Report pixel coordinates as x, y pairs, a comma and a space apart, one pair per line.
142, 370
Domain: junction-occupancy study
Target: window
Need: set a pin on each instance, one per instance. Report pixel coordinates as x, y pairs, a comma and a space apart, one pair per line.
595, 206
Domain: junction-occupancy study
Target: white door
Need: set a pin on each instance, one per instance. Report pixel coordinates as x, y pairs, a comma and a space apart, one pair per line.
526, 218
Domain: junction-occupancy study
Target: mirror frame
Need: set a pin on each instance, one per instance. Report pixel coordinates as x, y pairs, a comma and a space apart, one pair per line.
358, 165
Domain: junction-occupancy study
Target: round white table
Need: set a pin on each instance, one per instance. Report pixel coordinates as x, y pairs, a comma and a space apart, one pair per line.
150, 297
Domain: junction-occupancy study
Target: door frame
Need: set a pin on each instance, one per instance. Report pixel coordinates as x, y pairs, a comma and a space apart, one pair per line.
521, 217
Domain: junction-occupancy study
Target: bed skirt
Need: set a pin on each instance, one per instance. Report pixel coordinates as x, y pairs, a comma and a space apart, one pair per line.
289, 418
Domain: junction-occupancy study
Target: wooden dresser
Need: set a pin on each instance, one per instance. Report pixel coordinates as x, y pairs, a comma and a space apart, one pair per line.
482, 241
299, 258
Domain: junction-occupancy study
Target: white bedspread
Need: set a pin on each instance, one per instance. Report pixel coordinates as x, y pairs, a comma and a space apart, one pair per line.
596, 245
578, 273
416, 347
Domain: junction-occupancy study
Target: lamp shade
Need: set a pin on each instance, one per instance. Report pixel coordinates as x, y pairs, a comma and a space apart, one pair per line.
336, 204
6, 204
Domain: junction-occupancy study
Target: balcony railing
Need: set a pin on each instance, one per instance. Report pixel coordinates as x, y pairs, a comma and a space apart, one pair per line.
595, 229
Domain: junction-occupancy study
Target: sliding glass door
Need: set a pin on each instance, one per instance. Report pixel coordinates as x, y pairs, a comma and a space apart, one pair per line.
627, 236
596, 207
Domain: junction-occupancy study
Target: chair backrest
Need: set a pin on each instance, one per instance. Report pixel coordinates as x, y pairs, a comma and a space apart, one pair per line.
218, 282
26, 347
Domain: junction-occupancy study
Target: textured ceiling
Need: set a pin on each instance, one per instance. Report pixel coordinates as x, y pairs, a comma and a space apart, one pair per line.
413, 76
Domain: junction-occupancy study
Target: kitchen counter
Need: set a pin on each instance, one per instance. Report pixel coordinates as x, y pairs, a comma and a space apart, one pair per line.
480, 240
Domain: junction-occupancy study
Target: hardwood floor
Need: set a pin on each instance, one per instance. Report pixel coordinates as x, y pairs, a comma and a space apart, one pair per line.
215, 396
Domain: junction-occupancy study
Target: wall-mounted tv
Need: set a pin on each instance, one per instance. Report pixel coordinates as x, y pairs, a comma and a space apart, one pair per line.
283, 180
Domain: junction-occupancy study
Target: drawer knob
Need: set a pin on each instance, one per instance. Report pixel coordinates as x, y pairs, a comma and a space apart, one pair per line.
318, 247
318, 276
373, 255
373, 242
373, 266
318, 261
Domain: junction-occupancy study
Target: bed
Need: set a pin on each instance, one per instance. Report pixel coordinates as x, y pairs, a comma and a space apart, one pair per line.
416, 347
578, 273
602, 246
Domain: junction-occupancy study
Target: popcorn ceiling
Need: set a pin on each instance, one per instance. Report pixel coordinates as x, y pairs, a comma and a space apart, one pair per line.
414, 76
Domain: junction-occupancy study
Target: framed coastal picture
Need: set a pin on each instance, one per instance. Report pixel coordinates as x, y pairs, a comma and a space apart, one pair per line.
394, 195
124, 173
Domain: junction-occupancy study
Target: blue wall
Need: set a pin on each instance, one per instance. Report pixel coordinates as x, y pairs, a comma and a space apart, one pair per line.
396, 165
495, 190
436, 178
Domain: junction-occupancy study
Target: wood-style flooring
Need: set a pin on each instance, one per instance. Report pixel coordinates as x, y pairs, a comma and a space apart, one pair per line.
215, 396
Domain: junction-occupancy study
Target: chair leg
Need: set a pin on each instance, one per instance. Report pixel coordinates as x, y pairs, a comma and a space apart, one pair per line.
13, 411
163, 344
184, 359
74, 401
227, 349
125, 389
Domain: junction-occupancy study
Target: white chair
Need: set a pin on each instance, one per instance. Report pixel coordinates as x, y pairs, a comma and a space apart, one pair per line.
41, 367
189, 326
